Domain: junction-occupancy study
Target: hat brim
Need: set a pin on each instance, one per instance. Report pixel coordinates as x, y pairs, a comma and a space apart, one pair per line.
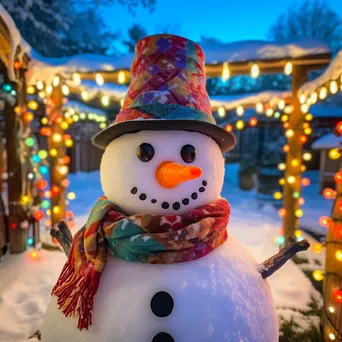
224, 139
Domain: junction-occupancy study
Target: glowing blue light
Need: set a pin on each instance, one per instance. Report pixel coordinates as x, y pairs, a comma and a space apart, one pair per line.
43, 169
7, 87
280, 240
35, 158
30, 241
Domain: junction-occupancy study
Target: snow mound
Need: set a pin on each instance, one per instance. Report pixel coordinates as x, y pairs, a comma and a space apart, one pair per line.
81, 107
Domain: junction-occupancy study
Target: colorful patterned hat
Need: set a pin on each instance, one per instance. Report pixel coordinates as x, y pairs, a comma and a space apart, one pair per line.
167, 92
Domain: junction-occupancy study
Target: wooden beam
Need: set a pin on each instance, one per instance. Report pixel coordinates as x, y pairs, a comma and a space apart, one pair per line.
293, 169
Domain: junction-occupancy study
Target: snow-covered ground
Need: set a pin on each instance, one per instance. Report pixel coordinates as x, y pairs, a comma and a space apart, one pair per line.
25, 283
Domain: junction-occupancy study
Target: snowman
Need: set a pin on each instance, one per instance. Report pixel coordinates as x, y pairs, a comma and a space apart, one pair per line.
155, 261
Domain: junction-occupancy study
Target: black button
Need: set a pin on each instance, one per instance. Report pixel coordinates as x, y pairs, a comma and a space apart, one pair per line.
204, 183
142, 197
185, 201
162, 304
165, 205
176, 206
201, 189
154, 200
194, 195
134, 190
163, 337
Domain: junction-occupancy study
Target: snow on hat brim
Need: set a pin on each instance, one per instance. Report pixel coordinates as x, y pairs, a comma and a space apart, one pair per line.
181, 120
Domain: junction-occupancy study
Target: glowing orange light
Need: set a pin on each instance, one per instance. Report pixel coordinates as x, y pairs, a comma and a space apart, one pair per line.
324, 221
286, 148
34, 254
58, 119
338, 295
229, 128
66, 159
253, 122
65, 183
69, 214
339, 127
338, 177
17, 65
286, 125
38, 215
329, 193
339, 206
282, 212
28, 117
46, 131
301, 201
303, 139
55, 190
66, 136
42, 184
48, 194
305, 182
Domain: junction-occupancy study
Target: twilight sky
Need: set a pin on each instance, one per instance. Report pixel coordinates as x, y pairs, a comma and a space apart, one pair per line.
227, 20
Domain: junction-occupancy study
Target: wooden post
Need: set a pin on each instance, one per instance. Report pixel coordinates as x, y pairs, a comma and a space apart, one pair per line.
17, 213
332, 313
293, 170
3, 219
57, 152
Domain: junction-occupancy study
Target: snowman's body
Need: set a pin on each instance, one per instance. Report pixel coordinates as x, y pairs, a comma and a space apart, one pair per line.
220, 297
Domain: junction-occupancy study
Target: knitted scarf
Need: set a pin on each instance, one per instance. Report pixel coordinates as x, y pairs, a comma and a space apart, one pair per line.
142, 238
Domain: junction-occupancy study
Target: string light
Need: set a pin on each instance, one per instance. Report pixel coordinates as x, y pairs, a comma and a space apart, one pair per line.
105, 100
57, 138
40, 85
331, 309
324, 221
55, 81
269, 112
49, 89
323, 93
229, 128
329, 193
303, 139
307, 131
291, 179
221, 112
84, 95
53, 152
240, 111
121, 77
307, 156
288, 68
318, 275
334, 154
305, 181
299, 213
71, 195
33, 105
259, 107
99, 79
65, 90
289, 133
240, 124
284, 118
332, 336
337, 295
302, 98
338, 177
333, 87
281, 104
225, 71
76, 78
277, 195
282, 212
30, 90
253, 122
255, 71
282, 166
338, 254
308, 117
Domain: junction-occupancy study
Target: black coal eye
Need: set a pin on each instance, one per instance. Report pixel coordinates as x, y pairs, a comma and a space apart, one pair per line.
188, 153
145, 152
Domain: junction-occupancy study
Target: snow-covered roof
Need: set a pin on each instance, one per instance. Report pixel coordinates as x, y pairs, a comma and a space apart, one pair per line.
16, 40
256, 50
233, 101
44, 69
326, 111
327, 142
333, 72
81, 107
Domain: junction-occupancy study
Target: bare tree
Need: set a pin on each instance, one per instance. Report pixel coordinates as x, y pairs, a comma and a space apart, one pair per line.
135, 33
310, 18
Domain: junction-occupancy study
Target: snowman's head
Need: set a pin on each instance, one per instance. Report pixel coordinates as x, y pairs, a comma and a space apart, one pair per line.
162, 172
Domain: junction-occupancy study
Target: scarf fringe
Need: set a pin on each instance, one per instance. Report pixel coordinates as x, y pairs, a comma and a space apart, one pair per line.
75, 294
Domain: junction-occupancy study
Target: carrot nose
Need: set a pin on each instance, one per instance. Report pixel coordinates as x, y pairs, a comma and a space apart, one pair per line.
169, 174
